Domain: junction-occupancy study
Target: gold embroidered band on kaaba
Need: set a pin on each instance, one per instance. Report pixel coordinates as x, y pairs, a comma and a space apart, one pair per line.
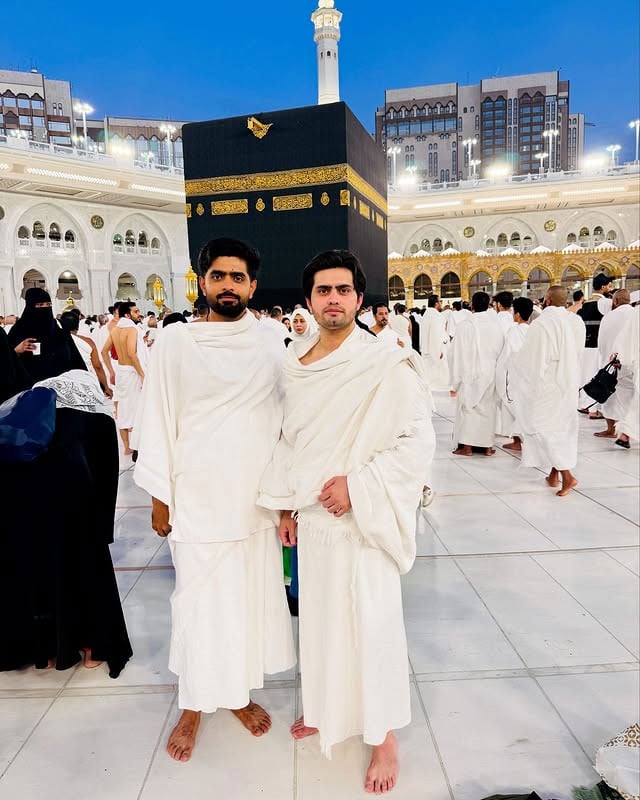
289, 179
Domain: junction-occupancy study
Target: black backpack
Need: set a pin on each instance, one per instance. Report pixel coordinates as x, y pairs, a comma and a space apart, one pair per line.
604, 382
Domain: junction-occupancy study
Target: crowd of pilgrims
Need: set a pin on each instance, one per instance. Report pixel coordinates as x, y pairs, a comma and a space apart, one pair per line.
515, 367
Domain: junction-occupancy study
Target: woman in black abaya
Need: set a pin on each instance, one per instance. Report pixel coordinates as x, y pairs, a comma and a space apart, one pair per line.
58, 594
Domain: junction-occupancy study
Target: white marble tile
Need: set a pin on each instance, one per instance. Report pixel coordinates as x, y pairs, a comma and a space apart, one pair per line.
625, 502
627, 461
427, 541
163, 556
448, 627
89, 746
595, 707
605, 588
342, 777
31, 679
18, 717
574, 521
135, 542
543, 622
126, 580
628, 557
503, 473
148, 618
227, 761
486, 525
449, 478
129, 494
593, 474
502, 737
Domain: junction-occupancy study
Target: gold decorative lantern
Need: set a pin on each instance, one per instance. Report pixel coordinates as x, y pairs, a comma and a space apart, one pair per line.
158, 293
192, 285
70, 303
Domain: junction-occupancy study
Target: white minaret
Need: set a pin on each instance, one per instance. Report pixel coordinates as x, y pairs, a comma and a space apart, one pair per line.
326, 19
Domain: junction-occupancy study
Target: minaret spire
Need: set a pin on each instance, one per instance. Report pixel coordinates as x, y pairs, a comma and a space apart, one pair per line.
326, 19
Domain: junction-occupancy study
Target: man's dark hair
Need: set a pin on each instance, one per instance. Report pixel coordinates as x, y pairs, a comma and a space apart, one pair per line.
524, 307
69, 321
226, 246
276, 312
480, 301
151, 313
201, 305
399, 308
578, 295
600, 281
505, 299
376, 306
457, 305
175, 316
110, 309
433, 300
124, 308
334, 259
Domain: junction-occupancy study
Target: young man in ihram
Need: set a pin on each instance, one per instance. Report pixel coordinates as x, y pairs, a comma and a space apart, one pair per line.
356, 443
214, 388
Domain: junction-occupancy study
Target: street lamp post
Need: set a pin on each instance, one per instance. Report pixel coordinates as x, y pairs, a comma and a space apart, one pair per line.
550, 135
541, 157
83, 109
394, 152
613, 149
169, 130
474, 163
469, 144
636, 124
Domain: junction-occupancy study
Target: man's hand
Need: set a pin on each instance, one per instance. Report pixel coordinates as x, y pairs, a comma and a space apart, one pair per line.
112, 378
400, 343
25, 346
287, 529
160, 517
334, 496
107, 392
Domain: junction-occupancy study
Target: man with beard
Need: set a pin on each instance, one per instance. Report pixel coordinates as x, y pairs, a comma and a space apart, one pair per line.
356, 443
381, 327
214, 388
49, 351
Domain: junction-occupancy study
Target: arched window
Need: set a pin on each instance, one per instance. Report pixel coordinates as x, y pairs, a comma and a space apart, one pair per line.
481, 282
155, 245
538, 282
509, 281
527, 243
69, 240
437, 246
142, 240
396, 288
448, 245
612, 237
129, 240
54, 232
38, 232
598, 235
422, 287
425, 244
584, 238
68, 287
450, 285
117, 243
413, 249
23, 232
572, 238
32, 280
571, 278
127, 287
514, 241
490, 245
502, 240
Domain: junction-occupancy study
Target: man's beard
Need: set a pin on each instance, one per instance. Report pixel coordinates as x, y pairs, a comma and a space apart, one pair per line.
229, 310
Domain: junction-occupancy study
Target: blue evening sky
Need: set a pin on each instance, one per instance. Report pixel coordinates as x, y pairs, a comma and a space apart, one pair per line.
217, 58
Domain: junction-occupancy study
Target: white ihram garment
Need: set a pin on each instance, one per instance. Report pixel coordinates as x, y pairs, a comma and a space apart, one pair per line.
611, 327
505, 320
211, 417
627, 346
361, 411
402, 326
476, 348
506, 424
544, 381
433, 347
128, 381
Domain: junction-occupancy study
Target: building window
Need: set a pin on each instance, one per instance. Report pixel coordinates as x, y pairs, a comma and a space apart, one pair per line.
477, 122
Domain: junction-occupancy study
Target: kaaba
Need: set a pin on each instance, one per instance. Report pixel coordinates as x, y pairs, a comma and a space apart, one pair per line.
292, 184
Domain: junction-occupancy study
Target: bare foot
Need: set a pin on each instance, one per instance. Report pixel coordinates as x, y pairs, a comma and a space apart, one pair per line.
463, 450
490, 451
605, 434
299, 730
382, 774
254, 718
89, 663
567, 486
183, 736
127, 452
515, 447
552, 478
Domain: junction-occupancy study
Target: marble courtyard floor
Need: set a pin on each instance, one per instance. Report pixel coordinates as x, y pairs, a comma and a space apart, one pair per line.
522, 622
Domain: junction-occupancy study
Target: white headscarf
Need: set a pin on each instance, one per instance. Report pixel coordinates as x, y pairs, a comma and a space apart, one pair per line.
312, 325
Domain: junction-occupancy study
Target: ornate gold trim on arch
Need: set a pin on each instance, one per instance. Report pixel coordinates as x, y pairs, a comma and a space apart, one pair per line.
287, 179
517, 272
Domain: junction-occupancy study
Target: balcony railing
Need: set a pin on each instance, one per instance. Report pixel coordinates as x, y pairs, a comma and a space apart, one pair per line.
47, 244
131, 249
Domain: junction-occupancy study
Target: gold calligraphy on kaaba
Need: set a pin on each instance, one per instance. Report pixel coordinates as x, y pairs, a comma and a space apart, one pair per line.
257, 128
325, 199
345, 197
260, 204
220, 207
293, 202
188, 210
364, 210
379, 221
288, 179
199, 209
